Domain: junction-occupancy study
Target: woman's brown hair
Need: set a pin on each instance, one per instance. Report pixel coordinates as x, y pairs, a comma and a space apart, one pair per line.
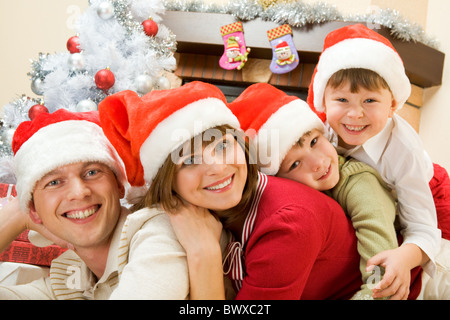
161, 190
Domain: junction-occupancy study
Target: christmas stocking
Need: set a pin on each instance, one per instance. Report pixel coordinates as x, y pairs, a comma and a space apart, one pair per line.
236, 53
285, 57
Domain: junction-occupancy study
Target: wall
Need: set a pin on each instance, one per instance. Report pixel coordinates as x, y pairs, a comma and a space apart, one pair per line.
434, 126
29, 27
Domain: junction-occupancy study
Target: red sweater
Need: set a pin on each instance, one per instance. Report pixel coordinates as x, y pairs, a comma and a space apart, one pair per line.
302, 247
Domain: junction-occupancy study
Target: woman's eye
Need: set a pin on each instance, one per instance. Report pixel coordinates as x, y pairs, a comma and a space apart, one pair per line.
223, 145
192, 160
188, 161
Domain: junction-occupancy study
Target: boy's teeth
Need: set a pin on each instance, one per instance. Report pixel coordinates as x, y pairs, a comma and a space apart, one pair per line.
324, 174
355, 128
82, 214
220, 186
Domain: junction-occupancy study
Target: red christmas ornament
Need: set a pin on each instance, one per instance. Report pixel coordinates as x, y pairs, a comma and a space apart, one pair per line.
73, 44
150, 27
104, 79
36, 109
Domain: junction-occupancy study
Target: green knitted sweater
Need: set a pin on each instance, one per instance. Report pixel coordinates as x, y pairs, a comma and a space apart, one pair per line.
369, 203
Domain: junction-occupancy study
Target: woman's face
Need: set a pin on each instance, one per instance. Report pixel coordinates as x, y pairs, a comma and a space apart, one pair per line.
212, 176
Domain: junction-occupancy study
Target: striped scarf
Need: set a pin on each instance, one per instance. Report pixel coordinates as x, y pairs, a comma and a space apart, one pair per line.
233, 261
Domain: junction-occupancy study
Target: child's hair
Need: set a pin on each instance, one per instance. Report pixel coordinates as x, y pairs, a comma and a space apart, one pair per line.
300, 142
161, 190
358, 78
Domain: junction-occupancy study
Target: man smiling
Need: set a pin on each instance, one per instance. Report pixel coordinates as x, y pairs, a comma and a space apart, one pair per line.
70, 182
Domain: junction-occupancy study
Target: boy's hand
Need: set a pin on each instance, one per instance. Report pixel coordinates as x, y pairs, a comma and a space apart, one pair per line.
397, 277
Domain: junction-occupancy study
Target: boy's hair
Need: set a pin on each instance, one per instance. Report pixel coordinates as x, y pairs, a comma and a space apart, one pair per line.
358, 78
301, 141
356, 46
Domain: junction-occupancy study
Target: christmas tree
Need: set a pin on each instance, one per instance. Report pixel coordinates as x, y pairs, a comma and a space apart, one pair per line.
118, 45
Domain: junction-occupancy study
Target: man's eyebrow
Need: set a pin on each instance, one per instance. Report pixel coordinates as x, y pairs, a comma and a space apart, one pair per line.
59, 170
52, 173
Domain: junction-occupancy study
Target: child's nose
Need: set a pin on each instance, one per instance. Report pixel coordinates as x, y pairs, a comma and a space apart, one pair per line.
355, 111
315, 163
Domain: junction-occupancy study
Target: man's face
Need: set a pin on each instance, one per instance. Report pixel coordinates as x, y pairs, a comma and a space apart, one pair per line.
79, 203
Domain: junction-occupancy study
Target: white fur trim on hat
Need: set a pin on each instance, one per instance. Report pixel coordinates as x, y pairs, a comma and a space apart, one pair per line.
180, 127
281, 131
59, 144
353, 53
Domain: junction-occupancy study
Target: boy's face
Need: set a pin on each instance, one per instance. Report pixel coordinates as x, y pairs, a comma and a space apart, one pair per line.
79, 203
314, 164
357, 117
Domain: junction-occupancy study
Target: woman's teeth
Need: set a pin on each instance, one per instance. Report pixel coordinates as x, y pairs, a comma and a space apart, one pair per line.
221, 185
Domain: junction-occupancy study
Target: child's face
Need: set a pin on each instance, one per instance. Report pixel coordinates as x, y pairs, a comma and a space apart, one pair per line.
314, 164
357, 117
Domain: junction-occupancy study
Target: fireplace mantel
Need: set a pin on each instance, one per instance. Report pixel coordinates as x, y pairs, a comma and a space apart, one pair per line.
199, 33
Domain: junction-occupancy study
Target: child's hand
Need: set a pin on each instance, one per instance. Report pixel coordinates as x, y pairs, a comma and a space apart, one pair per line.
397, 277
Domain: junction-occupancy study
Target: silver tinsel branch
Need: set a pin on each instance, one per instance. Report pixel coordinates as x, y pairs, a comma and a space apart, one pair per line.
298, 14
14, 112
124, 16
37, 72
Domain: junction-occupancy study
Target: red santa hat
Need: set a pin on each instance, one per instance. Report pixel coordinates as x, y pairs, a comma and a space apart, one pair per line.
357, 46
53, 140
275, 121
145, 130
282, 45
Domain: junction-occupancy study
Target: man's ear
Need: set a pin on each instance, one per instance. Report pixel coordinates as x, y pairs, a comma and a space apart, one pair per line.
33, 214
121, 190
